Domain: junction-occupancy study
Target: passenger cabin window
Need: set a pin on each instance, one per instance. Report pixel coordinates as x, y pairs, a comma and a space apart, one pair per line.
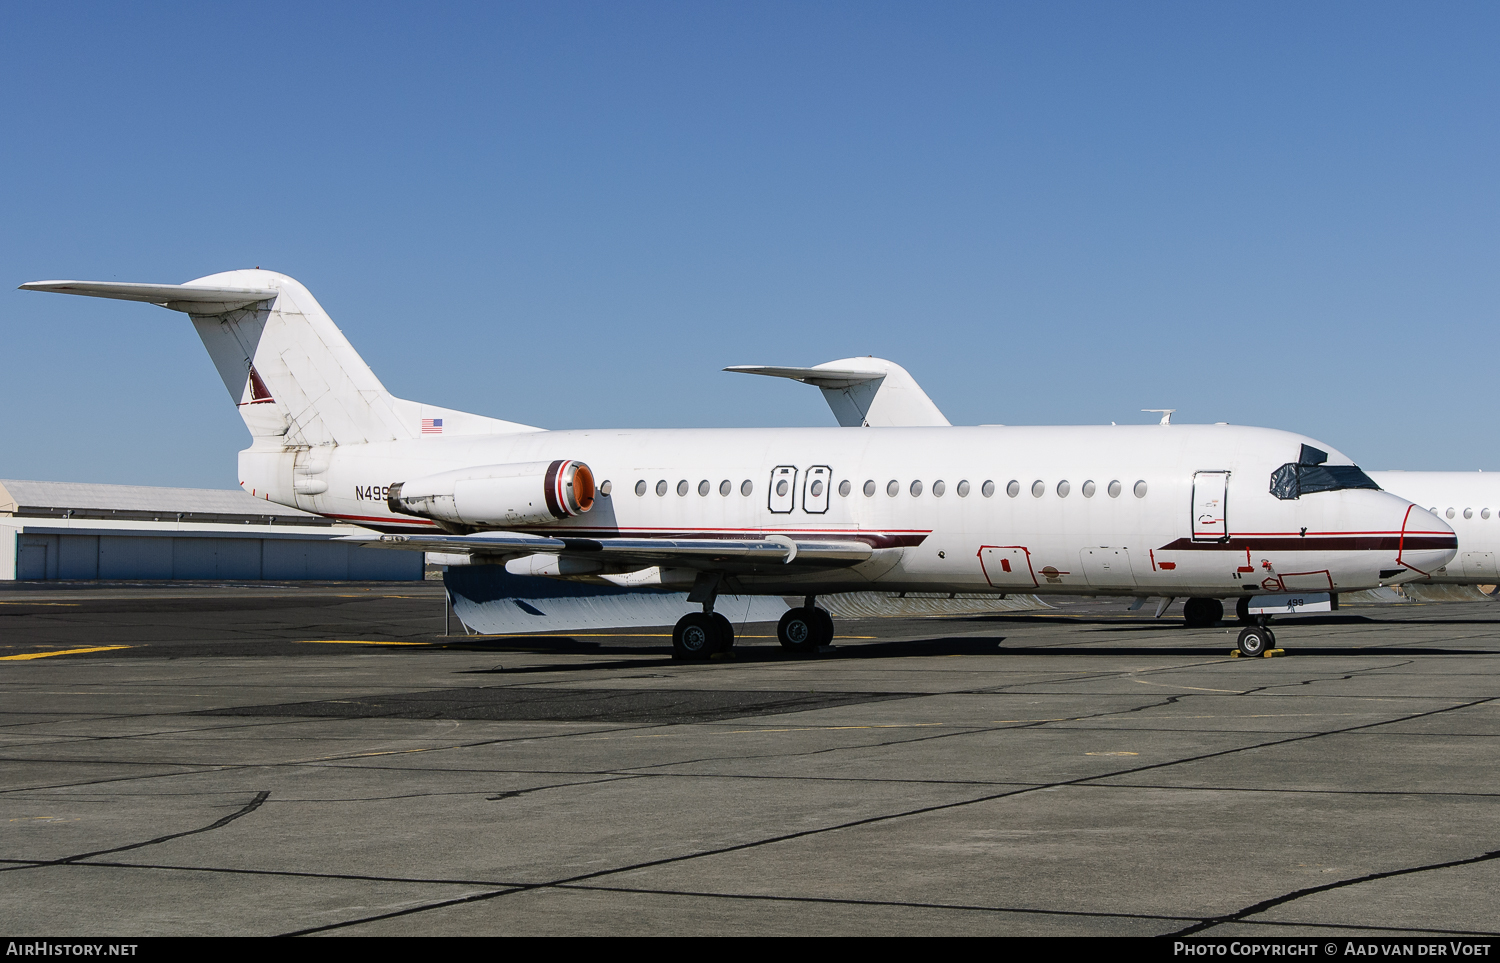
1308, 475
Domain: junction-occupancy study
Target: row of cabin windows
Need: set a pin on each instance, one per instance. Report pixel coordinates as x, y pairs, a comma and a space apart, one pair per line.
1468, 512
893, 488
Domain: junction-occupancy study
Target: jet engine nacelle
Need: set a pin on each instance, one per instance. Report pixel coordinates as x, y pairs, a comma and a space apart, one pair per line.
498, 496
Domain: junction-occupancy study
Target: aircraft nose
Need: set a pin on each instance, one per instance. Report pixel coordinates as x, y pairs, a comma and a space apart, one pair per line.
1426, 542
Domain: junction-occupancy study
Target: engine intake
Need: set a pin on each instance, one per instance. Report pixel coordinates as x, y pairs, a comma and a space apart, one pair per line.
498, 496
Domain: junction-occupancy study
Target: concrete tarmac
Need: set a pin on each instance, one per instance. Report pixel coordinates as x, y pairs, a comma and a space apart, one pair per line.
262, 759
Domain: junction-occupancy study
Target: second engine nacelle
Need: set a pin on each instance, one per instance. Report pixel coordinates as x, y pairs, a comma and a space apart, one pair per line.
498, 496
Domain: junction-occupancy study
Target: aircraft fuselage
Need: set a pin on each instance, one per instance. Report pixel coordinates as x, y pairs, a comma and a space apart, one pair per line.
1115, 510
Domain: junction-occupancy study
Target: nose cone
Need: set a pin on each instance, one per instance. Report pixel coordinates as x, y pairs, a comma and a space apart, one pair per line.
1426, 543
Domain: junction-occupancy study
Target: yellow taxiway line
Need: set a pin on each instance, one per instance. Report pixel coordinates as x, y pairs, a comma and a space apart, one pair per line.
48, 655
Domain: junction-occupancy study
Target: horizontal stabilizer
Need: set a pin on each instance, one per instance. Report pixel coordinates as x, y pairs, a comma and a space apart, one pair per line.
863, 392
700, 553
193, 299
821, 377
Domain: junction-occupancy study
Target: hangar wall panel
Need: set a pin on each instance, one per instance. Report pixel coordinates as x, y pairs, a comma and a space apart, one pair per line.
127, 557
238, 558
147, 555
383, 565
305, 559
33, 558
234, 558
78, 556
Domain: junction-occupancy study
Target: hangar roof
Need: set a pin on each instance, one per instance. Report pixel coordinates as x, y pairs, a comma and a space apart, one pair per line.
49, 499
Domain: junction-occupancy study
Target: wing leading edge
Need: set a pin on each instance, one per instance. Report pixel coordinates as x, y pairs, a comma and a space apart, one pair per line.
727, 555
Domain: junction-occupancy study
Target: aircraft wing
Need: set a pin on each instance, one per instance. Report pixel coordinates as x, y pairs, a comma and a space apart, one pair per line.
193, 299
714, 554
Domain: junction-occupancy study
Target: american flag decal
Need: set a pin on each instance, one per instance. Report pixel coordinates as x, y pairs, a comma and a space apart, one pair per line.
432, 426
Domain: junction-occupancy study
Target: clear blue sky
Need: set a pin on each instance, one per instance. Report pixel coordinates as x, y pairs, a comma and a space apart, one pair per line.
573, 215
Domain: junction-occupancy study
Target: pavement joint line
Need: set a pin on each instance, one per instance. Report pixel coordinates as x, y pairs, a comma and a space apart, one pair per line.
1368, 926
245, 810
899, 904
1265, 904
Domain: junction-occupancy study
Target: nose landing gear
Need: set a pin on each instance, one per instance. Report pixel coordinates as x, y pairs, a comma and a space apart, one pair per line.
1257, 640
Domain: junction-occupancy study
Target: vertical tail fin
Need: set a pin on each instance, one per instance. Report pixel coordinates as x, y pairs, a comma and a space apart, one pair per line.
297, 381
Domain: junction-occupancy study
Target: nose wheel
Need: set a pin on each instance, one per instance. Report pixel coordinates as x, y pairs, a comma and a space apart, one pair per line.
1256, 641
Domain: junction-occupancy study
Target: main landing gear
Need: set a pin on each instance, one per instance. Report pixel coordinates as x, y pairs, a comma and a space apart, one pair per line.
805, 629
701, 635
1202, 613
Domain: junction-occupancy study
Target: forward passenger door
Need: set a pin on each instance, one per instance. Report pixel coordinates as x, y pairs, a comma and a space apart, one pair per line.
1210, 520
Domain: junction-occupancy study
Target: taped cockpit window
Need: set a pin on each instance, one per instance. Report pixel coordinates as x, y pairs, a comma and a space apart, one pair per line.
1312, 456
1293, 481
1333, 478
1284, 482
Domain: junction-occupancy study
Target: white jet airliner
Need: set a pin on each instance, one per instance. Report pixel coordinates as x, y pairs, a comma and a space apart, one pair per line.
1185, 511
1470, 502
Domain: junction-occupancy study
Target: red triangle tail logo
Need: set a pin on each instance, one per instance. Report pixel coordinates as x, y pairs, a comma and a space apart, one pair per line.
259, 393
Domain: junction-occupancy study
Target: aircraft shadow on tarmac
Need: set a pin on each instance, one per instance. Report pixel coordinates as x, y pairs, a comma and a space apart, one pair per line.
938, 647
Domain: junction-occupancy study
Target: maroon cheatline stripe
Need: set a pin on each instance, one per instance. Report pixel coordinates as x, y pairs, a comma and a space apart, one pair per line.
1317, 543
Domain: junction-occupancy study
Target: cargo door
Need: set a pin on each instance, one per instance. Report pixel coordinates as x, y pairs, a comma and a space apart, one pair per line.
1210, 489
1007, 566
1107, 567
1479, 565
